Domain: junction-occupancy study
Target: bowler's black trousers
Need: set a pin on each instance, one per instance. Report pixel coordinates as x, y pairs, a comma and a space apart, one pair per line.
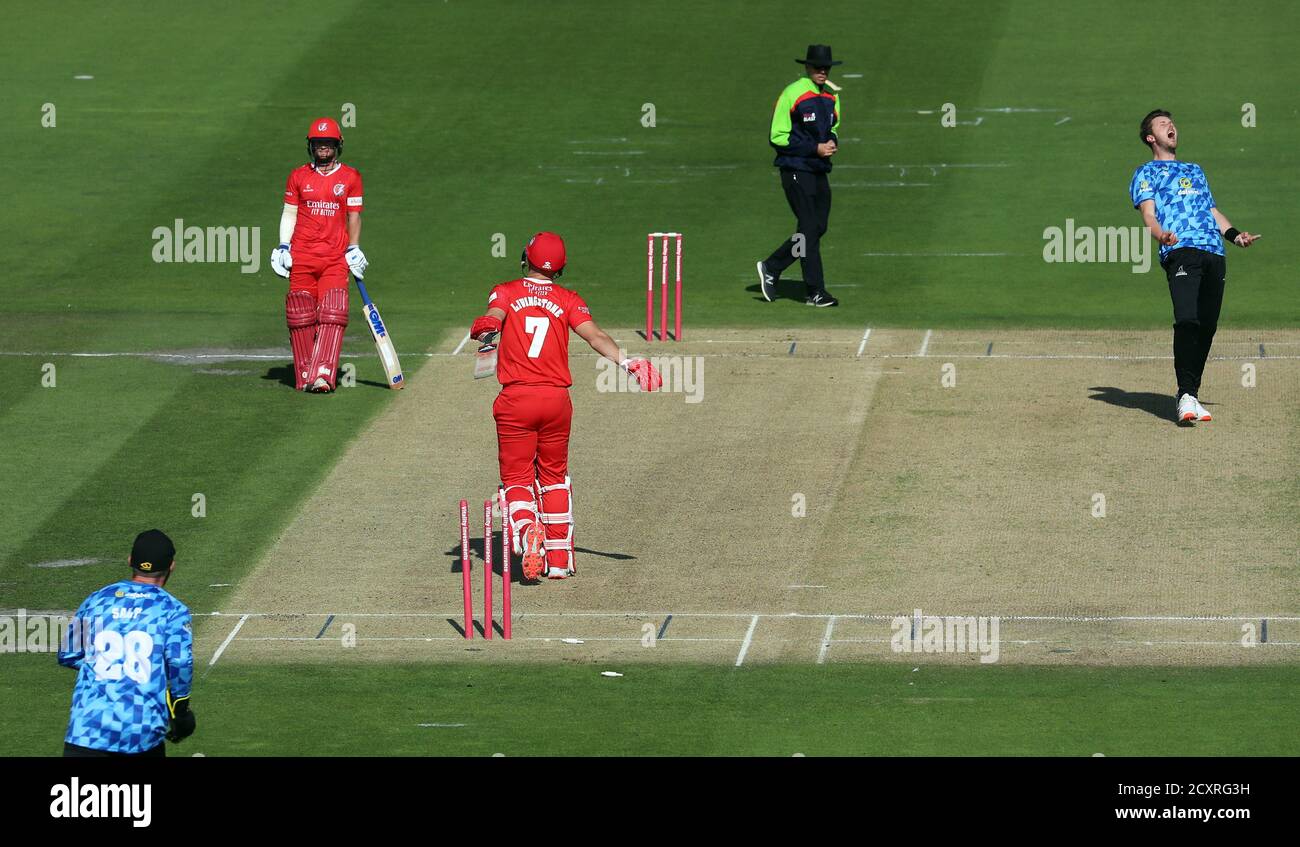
1196, 280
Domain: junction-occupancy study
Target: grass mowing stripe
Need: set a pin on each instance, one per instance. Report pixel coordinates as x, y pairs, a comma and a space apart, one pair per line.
251, 470
863, 710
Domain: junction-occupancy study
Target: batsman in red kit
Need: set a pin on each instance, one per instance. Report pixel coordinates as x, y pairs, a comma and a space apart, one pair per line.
319, 231
532, 317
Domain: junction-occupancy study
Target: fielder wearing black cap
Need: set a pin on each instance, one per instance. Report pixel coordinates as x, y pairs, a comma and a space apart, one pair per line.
804, 130
153, 553
133, 651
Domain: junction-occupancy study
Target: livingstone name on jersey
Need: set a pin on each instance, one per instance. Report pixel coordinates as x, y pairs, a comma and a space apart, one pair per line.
201, 245
127, 800
45, 633
540, 302
1124, 244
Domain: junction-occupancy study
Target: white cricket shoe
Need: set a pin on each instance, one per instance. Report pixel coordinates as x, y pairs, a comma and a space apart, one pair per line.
1187, 409
1202, 413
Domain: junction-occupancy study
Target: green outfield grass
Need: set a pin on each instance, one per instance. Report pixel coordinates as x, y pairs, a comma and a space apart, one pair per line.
881, 710
474, 119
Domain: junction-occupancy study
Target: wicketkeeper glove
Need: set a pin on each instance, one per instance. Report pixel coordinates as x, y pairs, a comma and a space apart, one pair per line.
646, 375
182, 725
356, 261
281, 261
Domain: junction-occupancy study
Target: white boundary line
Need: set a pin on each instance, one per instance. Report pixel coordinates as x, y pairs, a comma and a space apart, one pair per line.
461, 345
863, 345
749, 638
229, 638
925, 343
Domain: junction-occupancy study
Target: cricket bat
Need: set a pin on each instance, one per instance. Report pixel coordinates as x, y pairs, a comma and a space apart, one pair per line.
485, 360
383, 343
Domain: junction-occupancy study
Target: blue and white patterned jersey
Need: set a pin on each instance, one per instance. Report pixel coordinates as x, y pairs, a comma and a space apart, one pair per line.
1183, 203
132, 647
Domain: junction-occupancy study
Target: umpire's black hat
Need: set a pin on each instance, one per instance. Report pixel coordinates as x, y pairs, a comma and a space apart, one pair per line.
819, 56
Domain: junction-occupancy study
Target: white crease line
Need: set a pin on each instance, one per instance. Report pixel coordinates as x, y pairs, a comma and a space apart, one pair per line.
925, 343
805, 586
826, 640
941, 255
576, 354
749, 638
229, 638
461, 345
1014, 109
550, 638
863, 345
1082, 644
455, 614
1061, 121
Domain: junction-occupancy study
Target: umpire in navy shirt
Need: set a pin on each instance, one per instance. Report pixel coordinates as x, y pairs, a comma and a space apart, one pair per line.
804, 126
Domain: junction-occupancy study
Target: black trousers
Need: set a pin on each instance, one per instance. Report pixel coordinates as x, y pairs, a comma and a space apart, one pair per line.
809, 196
72, 751
1196, 280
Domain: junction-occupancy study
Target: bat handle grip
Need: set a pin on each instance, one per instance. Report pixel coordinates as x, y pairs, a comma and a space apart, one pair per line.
361, 286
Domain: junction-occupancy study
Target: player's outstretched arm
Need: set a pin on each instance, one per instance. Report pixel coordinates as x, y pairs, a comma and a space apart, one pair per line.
600, 341
642, 369
1231, 233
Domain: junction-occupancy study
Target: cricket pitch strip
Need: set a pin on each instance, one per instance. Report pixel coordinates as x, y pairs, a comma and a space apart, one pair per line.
803, 495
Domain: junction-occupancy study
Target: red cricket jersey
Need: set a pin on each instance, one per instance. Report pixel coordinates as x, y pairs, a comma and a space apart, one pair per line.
534, 346
323, 200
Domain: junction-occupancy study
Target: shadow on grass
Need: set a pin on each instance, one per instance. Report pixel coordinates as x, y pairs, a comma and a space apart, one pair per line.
1160, 405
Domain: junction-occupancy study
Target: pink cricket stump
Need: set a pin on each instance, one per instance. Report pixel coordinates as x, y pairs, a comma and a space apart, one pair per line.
663, 298
464, 569
677, 336
649, 287
505, 566
487, 569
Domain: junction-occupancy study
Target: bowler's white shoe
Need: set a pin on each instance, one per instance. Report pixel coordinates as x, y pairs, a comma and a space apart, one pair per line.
1187, 409
1202, 413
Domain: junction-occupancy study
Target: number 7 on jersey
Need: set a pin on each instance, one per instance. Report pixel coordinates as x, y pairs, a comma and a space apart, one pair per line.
537, 328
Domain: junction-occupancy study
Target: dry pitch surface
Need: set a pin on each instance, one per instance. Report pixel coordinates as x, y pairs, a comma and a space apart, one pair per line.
821, 486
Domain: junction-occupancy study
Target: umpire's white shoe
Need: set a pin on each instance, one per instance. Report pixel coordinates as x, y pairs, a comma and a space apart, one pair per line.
766, 283
1202, 413
1187, 409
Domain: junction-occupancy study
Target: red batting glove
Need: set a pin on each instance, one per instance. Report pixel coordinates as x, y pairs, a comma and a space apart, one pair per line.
484, 324
646, 375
